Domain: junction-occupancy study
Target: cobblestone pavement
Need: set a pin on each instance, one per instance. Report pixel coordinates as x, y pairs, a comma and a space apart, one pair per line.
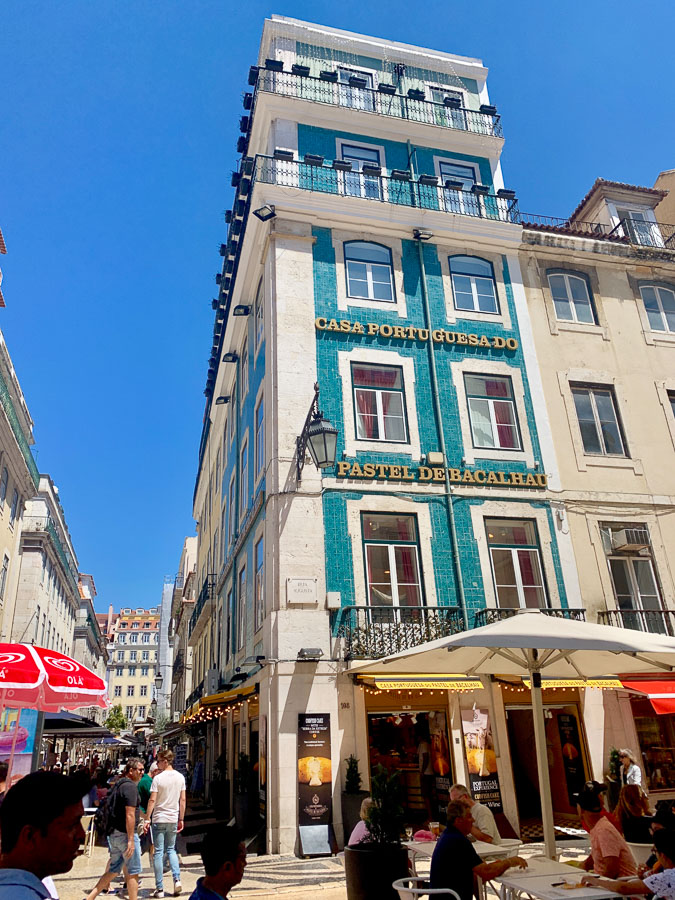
265, 876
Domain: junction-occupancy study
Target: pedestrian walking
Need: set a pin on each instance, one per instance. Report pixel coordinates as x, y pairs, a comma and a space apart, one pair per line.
166, 810
122, 831
224, 857
630, 772
41, 827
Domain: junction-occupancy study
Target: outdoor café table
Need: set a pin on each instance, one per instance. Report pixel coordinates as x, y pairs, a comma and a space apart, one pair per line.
547, 887
482, 848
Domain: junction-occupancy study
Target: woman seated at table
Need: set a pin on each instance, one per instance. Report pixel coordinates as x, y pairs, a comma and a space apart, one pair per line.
633, 814
661, 884
360, 834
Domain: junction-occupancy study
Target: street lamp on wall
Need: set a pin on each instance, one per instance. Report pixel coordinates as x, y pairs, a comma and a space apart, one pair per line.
318, 436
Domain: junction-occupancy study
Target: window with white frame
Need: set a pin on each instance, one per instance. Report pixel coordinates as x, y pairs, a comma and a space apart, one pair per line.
379, 403
391, 550
132, 671
473, 284
356, 96
260, 436
243, 479
571, 298
121, 638
144, 690
259, 314
516, 563
135, 624
445, 114
492, 412
130, 712
133, 655
358, 183
639, 226
133, 638
241, 609
119, 671
231, 511
118, 690
144, 671
369, 270
131, 690
259, 599
141, 712
599, 423
457, 181
120, 653
659, 304
243, 371
145, 655
146, 639
629, 556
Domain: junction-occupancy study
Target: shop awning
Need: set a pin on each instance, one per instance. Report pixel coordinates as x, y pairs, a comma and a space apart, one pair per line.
555, 683
214, 703
661, 694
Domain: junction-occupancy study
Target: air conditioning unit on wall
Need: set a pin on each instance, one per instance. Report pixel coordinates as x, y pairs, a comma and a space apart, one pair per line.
630, 540
211, 682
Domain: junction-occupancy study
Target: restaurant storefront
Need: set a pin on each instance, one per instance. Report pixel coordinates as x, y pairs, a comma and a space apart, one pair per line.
653, 707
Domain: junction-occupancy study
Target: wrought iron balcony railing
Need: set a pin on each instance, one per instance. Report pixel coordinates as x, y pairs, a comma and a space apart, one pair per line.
488, 616
178, 666
374, 631
397, 188
46, 524
24, 446
656, 621
647, 234
628, 231
365, 99
206, 594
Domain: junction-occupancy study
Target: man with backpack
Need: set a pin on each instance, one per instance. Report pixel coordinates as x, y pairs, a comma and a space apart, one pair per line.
118, 819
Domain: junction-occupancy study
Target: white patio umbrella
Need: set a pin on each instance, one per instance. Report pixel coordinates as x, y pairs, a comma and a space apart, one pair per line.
531, 643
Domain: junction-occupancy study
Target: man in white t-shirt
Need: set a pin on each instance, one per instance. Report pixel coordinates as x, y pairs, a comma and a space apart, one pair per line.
484, 826
166, 808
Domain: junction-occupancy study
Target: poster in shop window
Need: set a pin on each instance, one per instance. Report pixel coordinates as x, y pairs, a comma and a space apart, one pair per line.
481, 758
573, 761
315, 781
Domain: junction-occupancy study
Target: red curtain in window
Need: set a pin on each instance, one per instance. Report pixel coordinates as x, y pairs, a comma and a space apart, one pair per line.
367, 412
505, 429
497, 388
375, 377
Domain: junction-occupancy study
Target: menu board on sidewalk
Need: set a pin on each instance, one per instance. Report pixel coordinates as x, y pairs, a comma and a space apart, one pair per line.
180, 758
481, 758
315, 785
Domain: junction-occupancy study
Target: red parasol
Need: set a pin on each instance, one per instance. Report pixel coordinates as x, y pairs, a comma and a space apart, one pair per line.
47, 680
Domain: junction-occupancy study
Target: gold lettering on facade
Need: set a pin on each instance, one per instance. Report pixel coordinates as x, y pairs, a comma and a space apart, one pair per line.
411, 333
436, 475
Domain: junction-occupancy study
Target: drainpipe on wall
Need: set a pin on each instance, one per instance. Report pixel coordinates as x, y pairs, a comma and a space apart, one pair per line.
441, 432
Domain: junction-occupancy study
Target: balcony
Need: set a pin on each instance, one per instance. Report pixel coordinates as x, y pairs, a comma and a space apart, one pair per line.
178, 667
370, 632
489, 616
24, 446
206, 595
655, 621
628, 231
398, 188
45, 524
365, 99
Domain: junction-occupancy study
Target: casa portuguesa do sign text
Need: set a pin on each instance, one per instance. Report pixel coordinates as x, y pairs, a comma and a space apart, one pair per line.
412, 333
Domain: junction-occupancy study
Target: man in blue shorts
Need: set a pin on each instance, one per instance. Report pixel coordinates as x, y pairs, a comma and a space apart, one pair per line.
123, 842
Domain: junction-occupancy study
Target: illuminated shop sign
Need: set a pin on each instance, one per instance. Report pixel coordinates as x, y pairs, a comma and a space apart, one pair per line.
412, 333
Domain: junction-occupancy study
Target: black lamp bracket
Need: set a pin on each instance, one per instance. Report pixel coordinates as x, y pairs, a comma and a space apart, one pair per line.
301, 441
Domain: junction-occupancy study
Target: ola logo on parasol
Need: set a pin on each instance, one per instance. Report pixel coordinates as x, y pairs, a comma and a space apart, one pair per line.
11, 658
65, 665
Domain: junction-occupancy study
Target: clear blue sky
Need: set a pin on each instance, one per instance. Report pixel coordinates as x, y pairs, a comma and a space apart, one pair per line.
118, 126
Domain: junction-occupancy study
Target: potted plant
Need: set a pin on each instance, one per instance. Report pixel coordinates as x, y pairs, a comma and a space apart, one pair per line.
416, 94
220, 788
274, 65
352, 796
372, 866
613, 779
385, 88
298, 69
325, 75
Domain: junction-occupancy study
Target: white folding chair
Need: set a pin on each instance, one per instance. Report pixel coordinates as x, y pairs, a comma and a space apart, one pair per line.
641, 852
411, 888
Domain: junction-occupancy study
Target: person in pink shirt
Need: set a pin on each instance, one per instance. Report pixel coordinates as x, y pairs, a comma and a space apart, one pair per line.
610, 855
360, 834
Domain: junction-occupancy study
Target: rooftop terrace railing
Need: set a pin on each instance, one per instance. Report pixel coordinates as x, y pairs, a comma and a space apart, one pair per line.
366, 99
646, 234
398, 187
627, 231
